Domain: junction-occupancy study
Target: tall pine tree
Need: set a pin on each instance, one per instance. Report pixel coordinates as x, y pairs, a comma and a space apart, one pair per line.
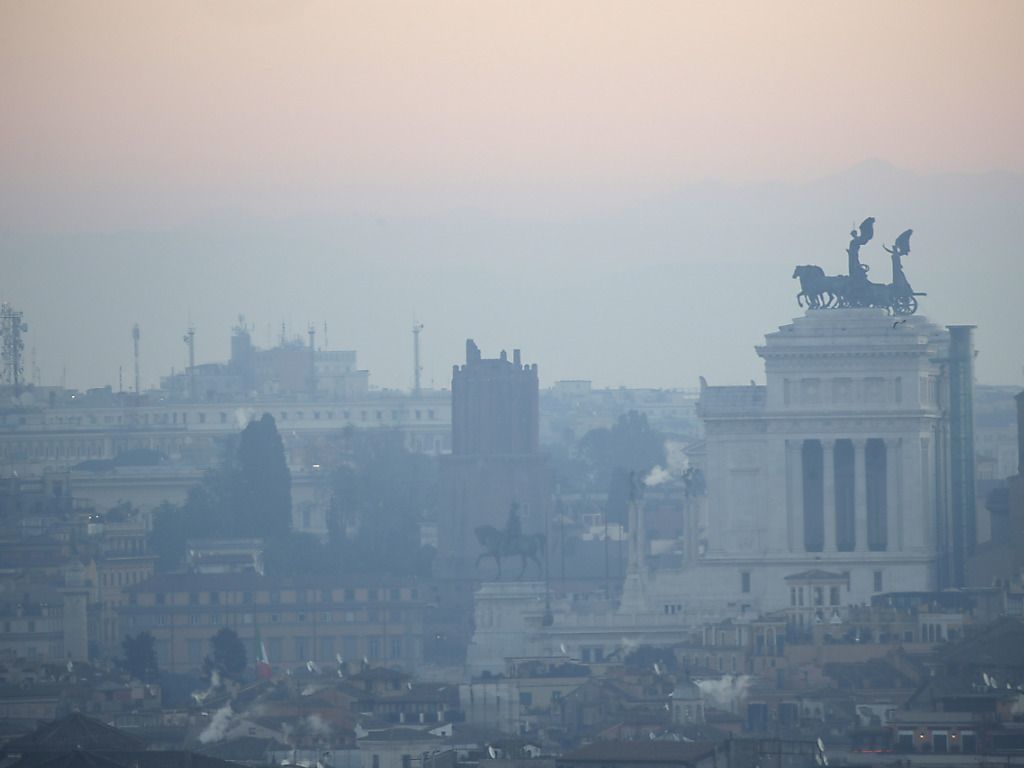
263, 491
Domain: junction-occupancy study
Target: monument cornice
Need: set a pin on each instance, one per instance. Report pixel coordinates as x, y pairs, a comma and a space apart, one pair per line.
880, 424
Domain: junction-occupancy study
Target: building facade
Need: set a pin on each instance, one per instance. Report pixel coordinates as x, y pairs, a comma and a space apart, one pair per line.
298, 620
842, 460
495, 460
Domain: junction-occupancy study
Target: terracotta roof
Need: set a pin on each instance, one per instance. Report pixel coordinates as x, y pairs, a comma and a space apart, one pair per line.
997, 646
74, 759
674, 752
76, 731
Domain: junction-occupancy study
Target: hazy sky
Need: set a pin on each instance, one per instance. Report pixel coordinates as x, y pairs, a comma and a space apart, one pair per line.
167, 121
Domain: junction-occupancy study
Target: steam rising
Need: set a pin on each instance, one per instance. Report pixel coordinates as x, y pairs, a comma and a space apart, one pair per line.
727, 692
676, 463
218, 726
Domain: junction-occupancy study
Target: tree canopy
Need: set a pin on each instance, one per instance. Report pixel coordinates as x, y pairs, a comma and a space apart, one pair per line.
227, 654
630, 445
263, 484
248, 495
379, 498
140, 657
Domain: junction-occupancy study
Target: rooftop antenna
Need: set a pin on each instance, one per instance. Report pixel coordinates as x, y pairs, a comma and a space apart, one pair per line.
312, 358
135, 348
416, 367
190, 342
325, 335
12, 325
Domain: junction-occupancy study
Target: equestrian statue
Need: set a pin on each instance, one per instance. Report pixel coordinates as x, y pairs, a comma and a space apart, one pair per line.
854, 289
511, 542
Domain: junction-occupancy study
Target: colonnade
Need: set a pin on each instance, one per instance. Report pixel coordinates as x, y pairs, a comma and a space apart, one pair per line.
844, 494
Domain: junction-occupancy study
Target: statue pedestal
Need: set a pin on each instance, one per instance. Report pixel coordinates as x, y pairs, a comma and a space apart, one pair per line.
508, 617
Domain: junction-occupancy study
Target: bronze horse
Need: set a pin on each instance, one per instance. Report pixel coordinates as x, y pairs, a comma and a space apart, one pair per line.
497, 545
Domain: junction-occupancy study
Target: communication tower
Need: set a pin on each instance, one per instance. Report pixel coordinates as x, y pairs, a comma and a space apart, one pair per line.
416, 367
312, 358
12, 325
135, 347
190, 342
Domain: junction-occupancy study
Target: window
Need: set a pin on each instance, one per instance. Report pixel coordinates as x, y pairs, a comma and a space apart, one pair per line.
193, 598
526, 699
745, 581
833, 596
274, 648
327, 648
878, 581
396, 647
349, 647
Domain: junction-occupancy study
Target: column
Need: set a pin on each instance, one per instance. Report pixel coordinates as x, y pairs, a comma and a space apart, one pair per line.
860, 495
829, 469
794, 495
893, 495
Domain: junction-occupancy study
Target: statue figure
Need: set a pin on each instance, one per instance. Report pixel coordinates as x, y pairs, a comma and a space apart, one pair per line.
513, 528
636, 489
511, 542
900, 249
693, 482
821, 291
857, 271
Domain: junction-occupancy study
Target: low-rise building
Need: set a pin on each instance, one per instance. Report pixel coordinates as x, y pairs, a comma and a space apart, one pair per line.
298, 620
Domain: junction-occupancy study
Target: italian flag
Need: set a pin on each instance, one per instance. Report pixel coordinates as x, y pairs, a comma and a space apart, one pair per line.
263, 670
